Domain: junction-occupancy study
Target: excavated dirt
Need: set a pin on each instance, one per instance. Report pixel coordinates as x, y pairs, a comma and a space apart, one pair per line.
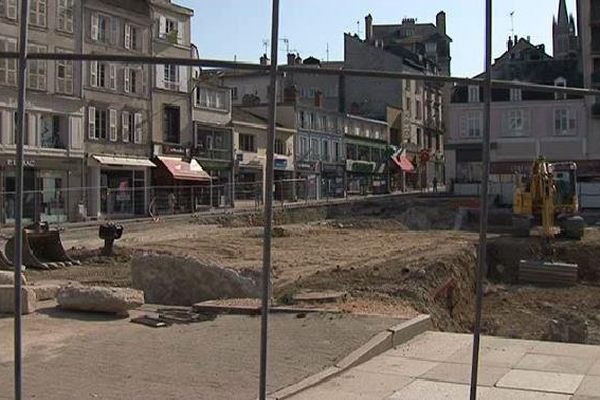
392, 263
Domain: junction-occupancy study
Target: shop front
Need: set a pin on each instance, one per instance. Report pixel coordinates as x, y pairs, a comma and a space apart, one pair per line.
285, 186
308, 176
180, 186
118, 186
50, 187
332, 180
366, 177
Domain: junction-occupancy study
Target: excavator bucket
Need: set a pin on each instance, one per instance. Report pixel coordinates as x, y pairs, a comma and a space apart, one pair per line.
42, 248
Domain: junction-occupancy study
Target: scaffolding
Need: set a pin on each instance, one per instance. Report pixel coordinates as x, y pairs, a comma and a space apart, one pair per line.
273, 69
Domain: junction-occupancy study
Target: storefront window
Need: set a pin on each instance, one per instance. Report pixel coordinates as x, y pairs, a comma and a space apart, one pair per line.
52, 196
363, 153
351, 153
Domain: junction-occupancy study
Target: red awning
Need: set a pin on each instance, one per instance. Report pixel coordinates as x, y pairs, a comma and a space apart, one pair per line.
185, 171
404, 163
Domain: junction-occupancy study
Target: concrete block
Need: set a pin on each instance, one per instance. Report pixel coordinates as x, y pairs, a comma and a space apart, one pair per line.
45, 292
378, 344
305, 384
432, 346
405, 331
8, 278
551, 382
7, 300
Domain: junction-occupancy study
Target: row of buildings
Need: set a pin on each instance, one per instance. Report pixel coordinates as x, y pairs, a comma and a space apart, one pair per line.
527, 124
107, 140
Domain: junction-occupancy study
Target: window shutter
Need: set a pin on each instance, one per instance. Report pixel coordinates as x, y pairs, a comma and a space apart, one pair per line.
113, 76
162, 27
127, 36
463, 126
137, 136
143, 76
92, 122
126, 78
183, 78
94, 29
32, 124
180, 32
160, 76
112, 116
125, 126
75, 136
11, 9
93, 73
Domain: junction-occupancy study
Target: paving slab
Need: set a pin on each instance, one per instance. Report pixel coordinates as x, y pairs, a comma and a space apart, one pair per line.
566, 349
595, 369
432, 346
397, 366
461, 373
550, 363
589, 387
356, 384
492, 356
510, 394
551, 382
420, 389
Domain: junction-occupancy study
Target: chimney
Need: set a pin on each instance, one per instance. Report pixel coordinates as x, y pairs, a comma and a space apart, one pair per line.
369, 28
319, 99
291, 59
264, 60
440, 22
529, 38
510, 43
516, 39
298, 60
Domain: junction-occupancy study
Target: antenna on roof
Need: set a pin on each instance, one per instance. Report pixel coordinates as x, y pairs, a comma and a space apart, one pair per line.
327, 52
358, 27
265, 43
512, 23
286, 41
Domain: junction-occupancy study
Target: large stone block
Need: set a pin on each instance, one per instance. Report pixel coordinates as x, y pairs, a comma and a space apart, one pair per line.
99, 299
7, 300
185, 281
8, 278
45, 292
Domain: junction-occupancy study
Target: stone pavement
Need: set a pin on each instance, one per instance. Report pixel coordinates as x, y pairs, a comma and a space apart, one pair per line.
437, 366
78, 356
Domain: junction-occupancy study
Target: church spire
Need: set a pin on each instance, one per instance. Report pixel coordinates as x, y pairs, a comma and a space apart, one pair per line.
563, 16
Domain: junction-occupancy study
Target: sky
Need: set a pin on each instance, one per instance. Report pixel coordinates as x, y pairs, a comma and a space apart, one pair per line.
236, 29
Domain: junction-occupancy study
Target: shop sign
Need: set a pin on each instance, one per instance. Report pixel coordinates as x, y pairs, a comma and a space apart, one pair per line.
362, 167
306, 166
330, 168
281, 163
26, 163
174, 149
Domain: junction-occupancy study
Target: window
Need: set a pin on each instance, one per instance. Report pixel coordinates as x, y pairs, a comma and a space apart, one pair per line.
234, 93
565, 122
170, 29
133, 80
351, 153
471, 124
37, 13
64, 16
98, 123
210, 98
315, 150
474, 94
377, 134
171, 74
419, 137
356, 130
337, 151
324, 126
325, 152
516, 94
51, 127
102, 75
419, 110
8, 67
8, 9
560, 82
247, 143
138, 123
280, 147
131, 37
368, 132
64, 77
171, 124
112, 125
104, 28
304, 148
302, 119
311, 121
36, 78
516, 122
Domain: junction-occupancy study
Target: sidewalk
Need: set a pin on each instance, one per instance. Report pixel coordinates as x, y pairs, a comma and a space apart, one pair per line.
437, 366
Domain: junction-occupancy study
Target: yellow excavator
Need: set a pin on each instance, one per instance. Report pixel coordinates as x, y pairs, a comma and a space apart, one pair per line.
548, 197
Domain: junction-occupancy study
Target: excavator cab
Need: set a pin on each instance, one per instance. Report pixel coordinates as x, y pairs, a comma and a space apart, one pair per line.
565, 181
